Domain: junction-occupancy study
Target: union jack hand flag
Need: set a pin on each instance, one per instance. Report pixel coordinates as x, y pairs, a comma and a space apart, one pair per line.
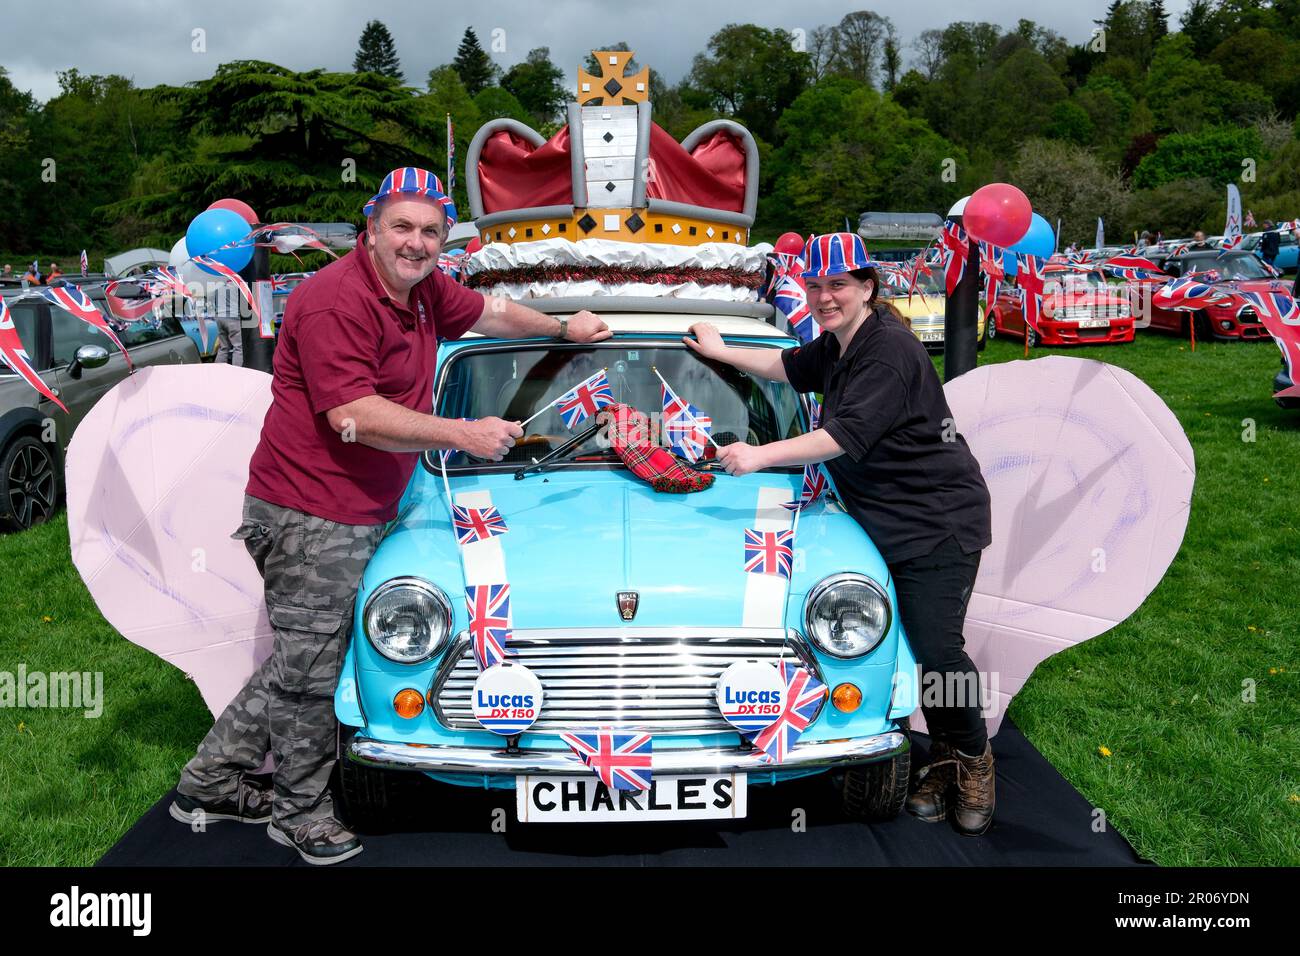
686, 427
73, 300
769, 552
1189, 293
85, 263
15, 356
814, 485
957, 251
1029, 277
790, 298
489, 622
814, 413
803, 697
477, 524
584, 400
994, 272
620, 759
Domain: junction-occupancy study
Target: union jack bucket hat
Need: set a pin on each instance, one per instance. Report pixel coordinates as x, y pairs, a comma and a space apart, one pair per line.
834, 253
412, 179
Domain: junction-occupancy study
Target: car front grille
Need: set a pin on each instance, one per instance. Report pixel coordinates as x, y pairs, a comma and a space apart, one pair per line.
1075, 313
660, 680
1247, 314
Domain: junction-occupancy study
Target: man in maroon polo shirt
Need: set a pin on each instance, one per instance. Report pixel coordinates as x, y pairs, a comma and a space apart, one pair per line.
351, 411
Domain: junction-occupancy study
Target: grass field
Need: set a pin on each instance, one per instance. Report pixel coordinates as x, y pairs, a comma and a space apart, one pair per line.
1195, 774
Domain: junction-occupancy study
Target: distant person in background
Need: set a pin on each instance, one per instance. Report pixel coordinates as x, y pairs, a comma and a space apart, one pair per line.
1270, 242
8, 272
224, 301
1198, 241
55, 272
32, 276
1143, 241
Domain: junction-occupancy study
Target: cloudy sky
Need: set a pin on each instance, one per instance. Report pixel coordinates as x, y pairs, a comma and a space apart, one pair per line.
153, 42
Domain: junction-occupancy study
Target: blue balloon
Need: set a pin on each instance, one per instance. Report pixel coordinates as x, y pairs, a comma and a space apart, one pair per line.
214, 228
1038, 241
1009, 266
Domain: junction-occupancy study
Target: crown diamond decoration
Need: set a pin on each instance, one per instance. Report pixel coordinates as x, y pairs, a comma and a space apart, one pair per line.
611, 173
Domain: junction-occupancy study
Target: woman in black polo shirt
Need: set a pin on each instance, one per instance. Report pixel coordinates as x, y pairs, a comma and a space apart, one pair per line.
908, 478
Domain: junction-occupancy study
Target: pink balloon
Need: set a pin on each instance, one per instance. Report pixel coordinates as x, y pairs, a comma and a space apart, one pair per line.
998, 213
244, 210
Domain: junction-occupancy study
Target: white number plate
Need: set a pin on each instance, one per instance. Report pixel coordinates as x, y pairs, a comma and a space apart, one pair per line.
931, 336
1093, 323
586, 800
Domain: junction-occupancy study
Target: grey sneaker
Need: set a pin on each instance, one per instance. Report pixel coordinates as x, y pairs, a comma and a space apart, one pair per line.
320, 842
248, 804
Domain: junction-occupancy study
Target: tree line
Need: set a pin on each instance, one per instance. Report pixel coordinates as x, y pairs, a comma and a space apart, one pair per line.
1142, 123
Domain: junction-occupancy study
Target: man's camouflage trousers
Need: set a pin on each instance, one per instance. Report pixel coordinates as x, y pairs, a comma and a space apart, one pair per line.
311, 567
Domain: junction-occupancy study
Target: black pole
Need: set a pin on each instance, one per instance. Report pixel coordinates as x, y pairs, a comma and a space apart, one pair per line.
259, 353
961, 317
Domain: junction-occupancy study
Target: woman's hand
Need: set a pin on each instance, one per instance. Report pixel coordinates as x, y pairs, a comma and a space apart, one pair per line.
707, 342
741, 459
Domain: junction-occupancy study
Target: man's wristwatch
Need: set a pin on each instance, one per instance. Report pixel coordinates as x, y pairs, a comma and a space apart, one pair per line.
564, 328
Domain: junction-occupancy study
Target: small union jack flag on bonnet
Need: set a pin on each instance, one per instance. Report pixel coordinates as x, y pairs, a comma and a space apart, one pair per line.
489, 622
814, 485
803, 697
769, 552
477, 524
620, 758
834, 253
412, 179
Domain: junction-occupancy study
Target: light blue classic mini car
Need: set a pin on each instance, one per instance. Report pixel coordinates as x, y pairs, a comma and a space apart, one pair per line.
626, 604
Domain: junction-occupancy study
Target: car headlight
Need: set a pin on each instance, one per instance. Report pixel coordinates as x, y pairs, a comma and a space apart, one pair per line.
407, 620
847, 614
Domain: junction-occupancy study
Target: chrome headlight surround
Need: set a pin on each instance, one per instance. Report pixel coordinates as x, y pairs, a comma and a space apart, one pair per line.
879, 615
431, 608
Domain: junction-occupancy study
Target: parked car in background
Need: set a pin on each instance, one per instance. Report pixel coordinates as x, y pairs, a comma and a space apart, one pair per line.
1288, 253
925, 311
1078, 309
1228, 320
79, 364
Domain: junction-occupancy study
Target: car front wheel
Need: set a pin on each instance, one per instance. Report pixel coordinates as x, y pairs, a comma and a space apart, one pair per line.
876, 791
28, 484
991, 329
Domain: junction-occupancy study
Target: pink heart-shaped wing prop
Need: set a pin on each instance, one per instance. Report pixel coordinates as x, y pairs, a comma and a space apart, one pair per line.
1091, 479
156, 475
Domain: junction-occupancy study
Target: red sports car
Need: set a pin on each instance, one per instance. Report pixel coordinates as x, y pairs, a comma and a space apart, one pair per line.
1078, 309
1229, 320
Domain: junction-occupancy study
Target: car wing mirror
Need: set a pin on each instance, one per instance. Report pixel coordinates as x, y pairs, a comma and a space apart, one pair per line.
88, 356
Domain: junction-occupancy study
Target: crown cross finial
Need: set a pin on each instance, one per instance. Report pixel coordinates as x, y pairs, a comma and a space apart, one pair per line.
611, 88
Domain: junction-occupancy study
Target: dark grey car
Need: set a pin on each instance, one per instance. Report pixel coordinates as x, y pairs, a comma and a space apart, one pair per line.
79, 364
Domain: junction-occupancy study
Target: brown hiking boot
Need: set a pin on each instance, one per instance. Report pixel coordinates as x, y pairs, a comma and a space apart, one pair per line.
974, 810
929, 801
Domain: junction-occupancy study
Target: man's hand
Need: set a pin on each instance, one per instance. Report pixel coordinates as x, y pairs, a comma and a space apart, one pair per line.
490, 438
740, 458
586, 326
707, 342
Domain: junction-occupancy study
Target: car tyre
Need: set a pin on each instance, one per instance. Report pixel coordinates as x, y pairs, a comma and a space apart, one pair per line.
876, 791
990, 330
1032, 336
376, 801
29, 484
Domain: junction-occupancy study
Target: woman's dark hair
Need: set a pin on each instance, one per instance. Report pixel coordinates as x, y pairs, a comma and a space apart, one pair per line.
871, 274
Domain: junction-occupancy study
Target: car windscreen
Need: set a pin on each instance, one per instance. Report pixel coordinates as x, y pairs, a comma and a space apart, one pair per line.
1229, 267
518, 383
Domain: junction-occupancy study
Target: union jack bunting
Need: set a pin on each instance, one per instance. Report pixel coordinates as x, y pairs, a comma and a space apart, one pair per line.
166, 280
85, 263
488, 606
803, 697
127, 311
622, 760
814, 485
15, 356
477, 524
584, 400
1189, 293
1133, 269
1230, 243
956, 252
72, 299
1029, 277
994, 272
769, 552
685, 426
814, 412
233, 277
790, 298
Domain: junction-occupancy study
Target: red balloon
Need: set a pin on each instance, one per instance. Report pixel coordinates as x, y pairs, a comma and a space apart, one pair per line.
790, 243
998, 213
244, 210
474, 245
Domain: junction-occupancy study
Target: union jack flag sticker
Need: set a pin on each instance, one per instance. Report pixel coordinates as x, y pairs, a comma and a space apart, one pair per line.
802, 702
584, 400
488, 606
477, 524
621, 759
769, 552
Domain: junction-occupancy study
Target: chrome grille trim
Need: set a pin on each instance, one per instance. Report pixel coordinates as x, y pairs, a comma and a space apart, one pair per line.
579, 668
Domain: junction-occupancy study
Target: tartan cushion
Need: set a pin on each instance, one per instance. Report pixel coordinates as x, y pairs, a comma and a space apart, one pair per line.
630, 437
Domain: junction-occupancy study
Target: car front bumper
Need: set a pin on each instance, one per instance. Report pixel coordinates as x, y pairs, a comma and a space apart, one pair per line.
814, 755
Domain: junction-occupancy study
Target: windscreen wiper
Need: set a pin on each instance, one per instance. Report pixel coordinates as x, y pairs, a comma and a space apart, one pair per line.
553, 457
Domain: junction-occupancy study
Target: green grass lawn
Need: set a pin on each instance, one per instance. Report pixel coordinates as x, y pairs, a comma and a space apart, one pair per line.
1195, 776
